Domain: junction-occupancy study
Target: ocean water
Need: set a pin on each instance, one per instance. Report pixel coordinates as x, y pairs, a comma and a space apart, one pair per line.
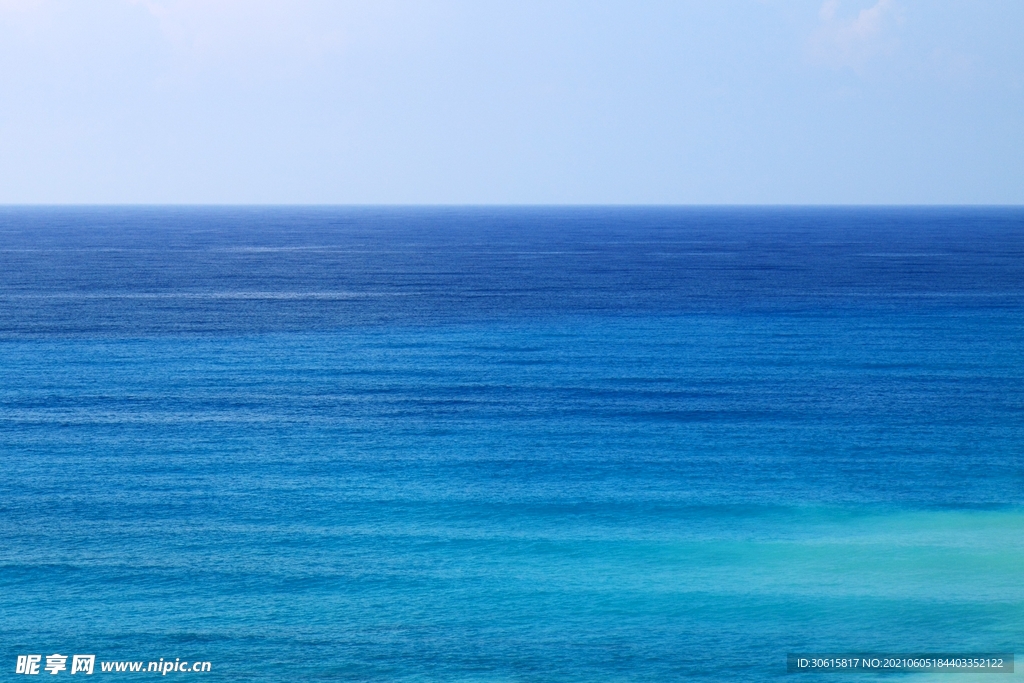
498, 444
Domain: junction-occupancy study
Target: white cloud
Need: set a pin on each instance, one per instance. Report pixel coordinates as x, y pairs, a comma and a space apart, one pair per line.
239, 37
18, 6
853, 41
221, 27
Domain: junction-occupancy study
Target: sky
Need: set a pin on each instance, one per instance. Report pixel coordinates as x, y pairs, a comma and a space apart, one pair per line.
519, 102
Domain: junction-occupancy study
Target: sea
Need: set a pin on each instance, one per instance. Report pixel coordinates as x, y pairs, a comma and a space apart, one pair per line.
509, 443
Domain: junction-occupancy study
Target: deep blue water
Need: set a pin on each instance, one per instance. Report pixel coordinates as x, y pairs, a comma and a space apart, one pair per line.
510, 444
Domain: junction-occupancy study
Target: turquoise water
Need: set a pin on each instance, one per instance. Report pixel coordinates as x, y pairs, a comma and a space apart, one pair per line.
372, 445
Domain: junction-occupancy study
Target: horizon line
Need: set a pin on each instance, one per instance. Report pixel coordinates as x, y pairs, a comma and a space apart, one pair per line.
482, 205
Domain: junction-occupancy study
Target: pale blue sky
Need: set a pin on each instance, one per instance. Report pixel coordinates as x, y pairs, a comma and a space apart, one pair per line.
744, 101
